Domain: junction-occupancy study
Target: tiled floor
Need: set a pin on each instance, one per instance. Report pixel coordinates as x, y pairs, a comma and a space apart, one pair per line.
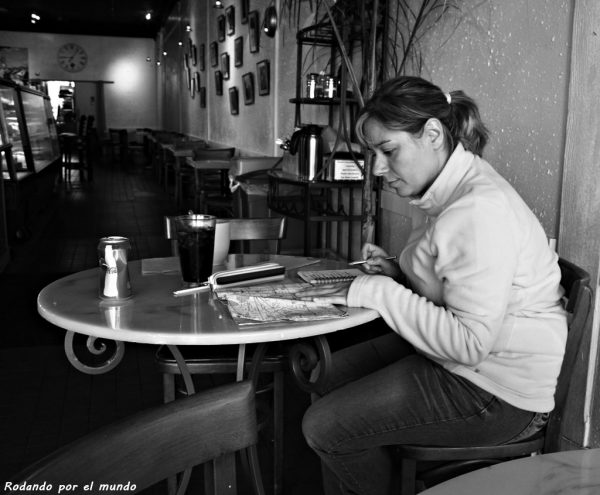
45, 402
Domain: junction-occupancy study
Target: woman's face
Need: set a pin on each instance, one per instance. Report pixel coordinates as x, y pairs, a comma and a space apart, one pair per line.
408, 163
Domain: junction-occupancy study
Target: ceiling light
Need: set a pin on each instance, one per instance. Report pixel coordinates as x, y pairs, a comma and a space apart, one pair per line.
148, 15
180, 43
218, 4
188, 28
165, 54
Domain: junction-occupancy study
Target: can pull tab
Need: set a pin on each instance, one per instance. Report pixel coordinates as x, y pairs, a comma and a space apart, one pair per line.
110, 280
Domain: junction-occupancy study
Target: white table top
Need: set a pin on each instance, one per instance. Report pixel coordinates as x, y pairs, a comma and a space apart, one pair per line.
210, 164
154, 316
574, 471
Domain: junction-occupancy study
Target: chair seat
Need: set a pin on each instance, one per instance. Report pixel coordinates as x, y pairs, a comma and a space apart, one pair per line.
431, 453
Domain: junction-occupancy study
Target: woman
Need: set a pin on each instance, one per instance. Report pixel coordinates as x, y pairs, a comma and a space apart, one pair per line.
474, 302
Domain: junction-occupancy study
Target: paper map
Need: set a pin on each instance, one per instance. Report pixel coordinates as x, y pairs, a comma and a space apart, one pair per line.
274, 302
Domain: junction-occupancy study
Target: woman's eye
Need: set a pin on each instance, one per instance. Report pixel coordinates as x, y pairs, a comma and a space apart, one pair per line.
387, 152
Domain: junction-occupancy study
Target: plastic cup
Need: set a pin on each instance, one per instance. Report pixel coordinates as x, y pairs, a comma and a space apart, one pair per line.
222, 241
195, 243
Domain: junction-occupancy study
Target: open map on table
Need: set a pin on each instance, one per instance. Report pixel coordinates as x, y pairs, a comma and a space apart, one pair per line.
274, 302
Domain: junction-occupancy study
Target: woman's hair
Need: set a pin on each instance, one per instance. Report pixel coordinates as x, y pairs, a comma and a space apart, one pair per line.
406, 103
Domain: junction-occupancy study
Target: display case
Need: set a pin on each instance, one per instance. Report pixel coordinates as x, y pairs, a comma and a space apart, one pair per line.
30, 163
31, 127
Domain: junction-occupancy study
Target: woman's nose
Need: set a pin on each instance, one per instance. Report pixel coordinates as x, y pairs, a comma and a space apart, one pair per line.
379, 167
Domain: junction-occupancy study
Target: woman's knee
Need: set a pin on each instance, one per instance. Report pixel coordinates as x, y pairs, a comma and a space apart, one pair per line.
318, 426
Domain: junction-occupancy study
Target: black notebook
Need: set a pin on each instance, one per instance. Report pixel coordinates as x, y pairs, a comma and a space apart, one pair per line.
317, 277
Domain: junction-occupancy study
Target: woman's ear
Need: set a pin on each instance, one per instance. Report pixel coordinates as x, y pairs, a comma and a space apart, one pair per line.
434, 132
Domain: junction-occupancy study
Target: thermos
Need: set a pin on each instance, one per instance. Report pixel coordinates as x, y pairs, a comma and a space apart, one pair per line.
308, 145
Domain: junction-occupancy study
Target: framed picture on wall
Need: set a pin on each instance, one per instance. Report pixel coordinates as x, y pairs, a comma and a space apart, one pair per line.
202, 57
194, 55
193, 87
248, 80
218, 82
214, 54
221, 28
264, 77
197, 79
225, 65
253, 31
238, 51
234, 104
230, 15
244, 8
202, 93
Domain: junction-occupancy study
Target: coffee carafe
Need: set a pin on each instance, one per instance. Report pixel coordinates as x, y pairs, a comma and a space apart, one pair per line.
308, 144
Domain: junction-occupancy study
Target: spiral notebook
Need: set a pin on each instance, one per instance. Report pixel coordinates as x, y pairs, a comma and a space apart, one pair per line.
317, 277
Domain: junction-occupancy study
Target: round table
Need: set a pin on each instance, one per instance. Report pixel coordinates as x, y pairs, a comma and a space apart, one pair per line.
154, 316
573, 471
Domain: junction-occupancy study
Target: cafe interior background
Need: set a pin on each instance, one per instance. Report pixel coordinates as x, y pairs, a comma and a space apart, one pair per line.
530, 65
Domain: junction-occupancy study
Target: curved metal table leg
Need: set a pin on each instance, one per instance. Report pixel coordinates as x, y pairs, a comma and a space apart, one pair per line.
91, 344
311, 363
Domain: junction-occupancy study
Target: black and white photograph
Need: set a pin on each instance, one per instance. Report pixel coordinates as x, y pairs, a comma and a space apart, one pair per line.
238, 51
230, 16
253, 32
248, 81
264, 77
234, 101
421, 176
225, 65
218, 82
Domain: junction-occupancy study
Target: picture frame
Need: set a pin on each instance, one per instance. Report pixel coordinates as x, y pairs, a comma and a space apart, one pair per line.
202, 94
197, 79
221, 28
202, 57
248, 81
189, 78
253, 31
244, 8
193, 87
214, 54
218, 83
230, 16
264, 77
225, 65
194, 55
238, 51
234, 101
186, 60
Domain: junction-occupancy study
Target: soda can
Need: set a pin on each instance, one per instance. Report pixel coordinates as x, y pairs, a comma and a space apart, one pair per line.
114, 284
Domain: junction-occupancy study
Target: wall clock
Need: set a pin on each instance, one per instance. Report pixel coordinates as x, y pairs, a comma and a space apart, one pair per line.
72, 57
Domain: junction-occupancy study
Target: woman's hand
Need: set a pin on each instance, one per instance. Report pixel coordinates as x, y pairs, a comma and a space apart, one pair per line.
326, 293
376, 262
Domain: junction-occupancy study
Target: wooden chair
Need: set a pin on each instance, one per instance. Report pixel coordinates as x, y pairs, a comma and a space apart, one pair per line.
147, 447
453, 461
211, 190
222, 360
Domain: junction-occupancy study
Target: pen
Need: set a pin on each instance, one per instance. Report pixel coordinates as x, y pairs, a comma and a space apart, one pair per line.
191, 290
364, 261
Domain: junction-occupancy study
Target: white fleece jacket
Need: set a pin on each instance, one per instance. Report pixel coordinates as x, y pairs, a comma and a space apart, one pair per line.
485, 299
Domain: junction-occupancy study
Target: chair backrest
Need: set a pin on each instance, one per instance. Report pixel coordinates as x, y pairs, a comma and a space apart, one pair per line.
259, 229
578, 295
214, 154
152, 445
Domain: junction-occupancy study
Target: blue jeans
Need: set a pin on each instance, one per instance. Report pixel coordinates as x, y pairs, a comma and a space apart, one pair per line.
382, 393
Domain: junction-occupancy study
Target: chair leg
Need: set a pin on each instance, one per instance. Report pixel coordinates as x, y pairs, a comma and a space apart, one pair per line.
168, 387
278, 432
408, 475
